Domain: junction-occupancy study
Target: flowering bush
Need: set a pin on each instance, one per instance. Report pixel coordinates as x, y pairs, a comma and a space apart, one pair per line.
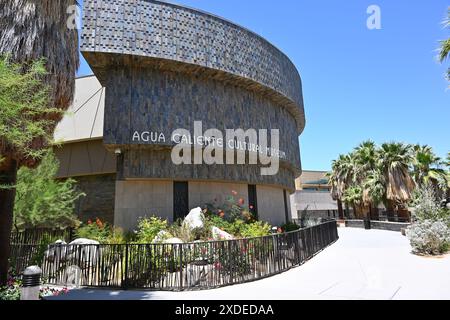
429, 237
12, 290
233, 209
97, 230
49, 292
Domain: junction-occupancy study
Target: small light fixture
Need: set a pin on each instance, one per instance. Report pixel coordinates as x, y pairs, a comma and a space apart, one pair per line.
118, 151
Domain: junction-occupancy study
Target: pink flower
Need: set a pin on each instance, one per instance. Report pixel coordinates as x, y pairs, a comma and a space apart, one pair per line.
234, 193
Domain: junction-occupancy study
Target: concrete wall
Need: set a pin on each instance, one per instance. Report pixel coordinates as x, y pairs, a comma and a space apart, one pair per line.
136, 199
271, 205
84, 158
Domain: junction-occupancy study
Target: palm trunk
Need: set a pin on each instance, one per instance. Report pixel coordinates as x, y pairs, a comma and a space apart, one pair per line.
340, 210
8, 177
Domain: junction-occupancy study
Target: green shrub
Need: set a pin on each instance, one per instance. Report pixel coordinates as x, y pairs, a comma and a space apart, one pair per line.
290, 226
148, 229
98, 231
255, 229
429, 237
182, 232
239, 228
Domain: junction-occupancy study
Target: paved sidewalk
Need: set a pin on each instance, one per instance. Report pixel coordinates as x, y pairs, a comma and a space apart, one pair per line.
361, 265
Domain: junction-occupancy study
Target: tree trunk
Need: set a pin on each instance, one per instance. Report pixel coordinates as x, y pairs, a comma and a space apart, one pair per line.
390, 209
403, 215
8, 176
340, 210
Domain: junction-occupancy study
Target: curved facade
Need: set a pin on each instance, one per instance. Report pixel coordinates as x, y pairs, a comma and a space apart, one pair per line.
163, 67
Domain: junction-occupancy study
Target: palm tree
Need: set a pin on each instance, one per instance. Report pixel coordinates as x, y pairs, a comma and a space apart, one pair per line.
340, 178
423, 160
395, 159
366, 169
354, 196
445, 44
31, 30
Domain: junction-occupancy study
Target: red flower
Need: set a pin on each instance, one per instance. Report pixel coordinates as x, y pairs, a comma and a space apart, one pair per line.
89, 221
280, 230
99, 223
217, 265
241, 202
221, 214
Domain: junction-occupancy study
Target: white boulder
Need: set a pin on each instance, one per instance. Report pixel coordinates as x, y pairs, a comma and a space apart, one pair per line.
173, 241
83, 241
219, 235
195, 219
84, 251
55, 251
162, 236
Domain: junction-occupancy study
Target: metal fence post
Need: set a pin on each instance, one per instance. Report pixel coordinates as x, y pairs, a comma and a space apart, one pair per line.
181, 266
125, 277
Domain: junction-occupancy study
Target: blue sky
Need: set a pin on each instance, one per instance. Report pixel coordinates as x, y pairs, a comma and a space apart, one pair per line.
358, 83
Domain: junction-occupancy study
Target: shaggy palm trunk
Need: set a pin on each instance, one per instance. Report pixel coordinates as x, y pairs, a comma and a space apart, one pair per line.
340, 209
8, 177
403, 214
390, 208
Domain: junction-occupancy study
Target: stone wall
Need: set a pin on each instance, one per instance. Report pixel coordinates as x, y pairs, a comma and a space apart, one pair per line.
379, 225
159, 29
99, 199
165, 66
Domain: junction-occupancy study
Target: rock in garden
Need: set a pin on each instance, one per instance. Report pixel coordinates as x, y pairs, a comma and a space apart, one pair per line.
55, 251
220, 234
162, 236
173, 241
82, 241
84, 251
194, 220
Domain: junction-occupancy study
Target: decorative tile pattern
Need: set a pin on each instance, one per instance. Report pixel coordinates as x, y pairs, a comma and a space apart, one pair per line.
163, 30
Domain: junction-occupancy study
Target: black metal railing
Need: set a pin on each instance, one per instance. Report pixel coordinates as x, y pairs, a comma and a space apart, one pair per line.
28, 246
177, 267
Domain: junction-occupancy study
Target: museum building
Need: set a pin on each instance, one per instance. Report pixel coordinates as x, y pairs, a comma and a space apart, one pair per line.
159, 67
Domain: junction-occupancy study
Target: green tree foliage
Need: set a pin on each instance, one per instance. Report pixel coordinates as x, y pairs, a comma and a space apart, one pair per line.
43, 201
444, 50
24, 111
387, 174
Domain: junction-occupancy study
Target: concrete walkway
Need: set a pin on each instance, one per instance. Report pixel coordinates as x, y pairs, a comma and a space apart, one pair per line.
361, 265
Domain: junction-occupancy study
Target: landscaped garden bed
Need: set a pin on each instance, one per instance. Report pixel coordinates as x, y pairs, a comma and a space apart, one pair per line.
212, 247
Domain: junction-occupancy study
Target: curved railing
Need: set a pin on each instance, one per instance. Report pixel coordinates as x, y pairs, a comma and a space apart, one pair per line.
191, 266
